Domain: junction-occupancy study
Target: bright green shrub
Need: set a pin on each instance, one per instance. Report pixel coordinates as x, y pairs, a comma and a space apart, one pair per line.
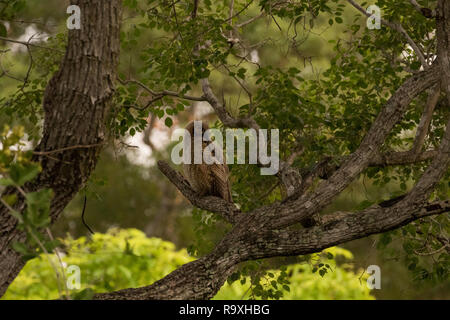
306, 283
124, 258
116, 260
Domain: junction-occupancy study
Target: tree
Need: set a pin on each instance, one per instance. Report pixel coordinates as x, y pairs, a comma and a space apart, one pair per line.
76, 102
372, 92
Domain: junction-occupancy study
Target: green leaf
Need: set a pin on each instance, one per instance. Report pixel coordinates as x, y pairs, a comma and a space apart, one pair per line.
20, 174
241, 73
38, 208
384, 240
16, 215
168, 122
10, 199
180, 106
6, 182
20, 248
234, 277
51, 245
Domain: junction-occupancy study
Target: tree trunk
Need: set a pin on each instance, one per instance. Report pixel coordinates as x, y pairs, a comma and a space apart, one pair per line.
76, 102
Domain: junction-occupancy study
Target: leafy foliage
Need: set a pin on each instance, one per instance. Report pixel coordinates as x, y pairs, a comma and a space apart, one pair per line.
126, 258
17, 169
116, 260
303, 281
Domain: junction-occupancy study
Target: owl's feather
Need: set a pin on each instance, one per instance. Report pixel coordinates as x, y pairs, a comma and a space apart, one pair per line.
208, 180
221, 181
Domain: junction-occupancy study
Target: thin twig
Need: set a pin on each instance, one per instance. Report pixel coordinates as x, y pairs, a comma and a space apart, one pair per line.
161, 94
243, 24
43, 153
30, 44
82, 215
425, 121
50, 235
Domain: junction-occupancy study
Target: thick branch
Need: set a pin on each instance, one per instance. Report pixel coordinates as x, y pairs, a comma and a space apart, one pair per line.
443, 46
337, 231
401, 158
299, 209
201, 279
325, 169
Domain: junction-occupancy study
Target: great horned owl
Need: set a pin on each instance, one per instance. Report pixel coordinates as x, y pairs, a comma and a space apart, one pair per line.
207, 179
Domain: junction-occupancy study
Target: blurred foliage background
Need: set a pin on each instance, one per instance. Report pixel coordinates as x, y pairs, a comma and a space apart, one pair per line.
144, 227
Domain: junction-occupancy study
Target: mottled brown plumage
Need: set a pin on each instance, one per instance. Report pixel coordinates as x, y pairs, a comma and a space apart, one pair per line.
207, 179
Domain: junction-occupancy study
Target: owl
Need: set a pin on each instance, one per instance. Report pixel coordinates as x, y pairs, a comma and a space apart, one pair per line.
207, 179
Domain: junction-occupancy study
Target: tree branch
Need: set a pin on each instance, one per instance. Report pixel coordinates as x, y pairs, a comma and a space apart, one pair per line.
202, 278
443, 46
401, 158
28, 44
353, 165
244, 23
425, 120
222, 113
161, 94
350, 227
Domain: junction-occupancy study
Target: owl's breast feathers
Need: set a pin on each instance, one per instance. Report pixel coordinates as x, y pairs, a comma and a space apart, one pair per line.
209, 180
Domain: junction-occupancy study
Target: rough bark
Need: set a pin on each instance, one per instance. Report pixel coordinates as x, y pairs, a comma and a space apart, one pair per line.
76, 101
